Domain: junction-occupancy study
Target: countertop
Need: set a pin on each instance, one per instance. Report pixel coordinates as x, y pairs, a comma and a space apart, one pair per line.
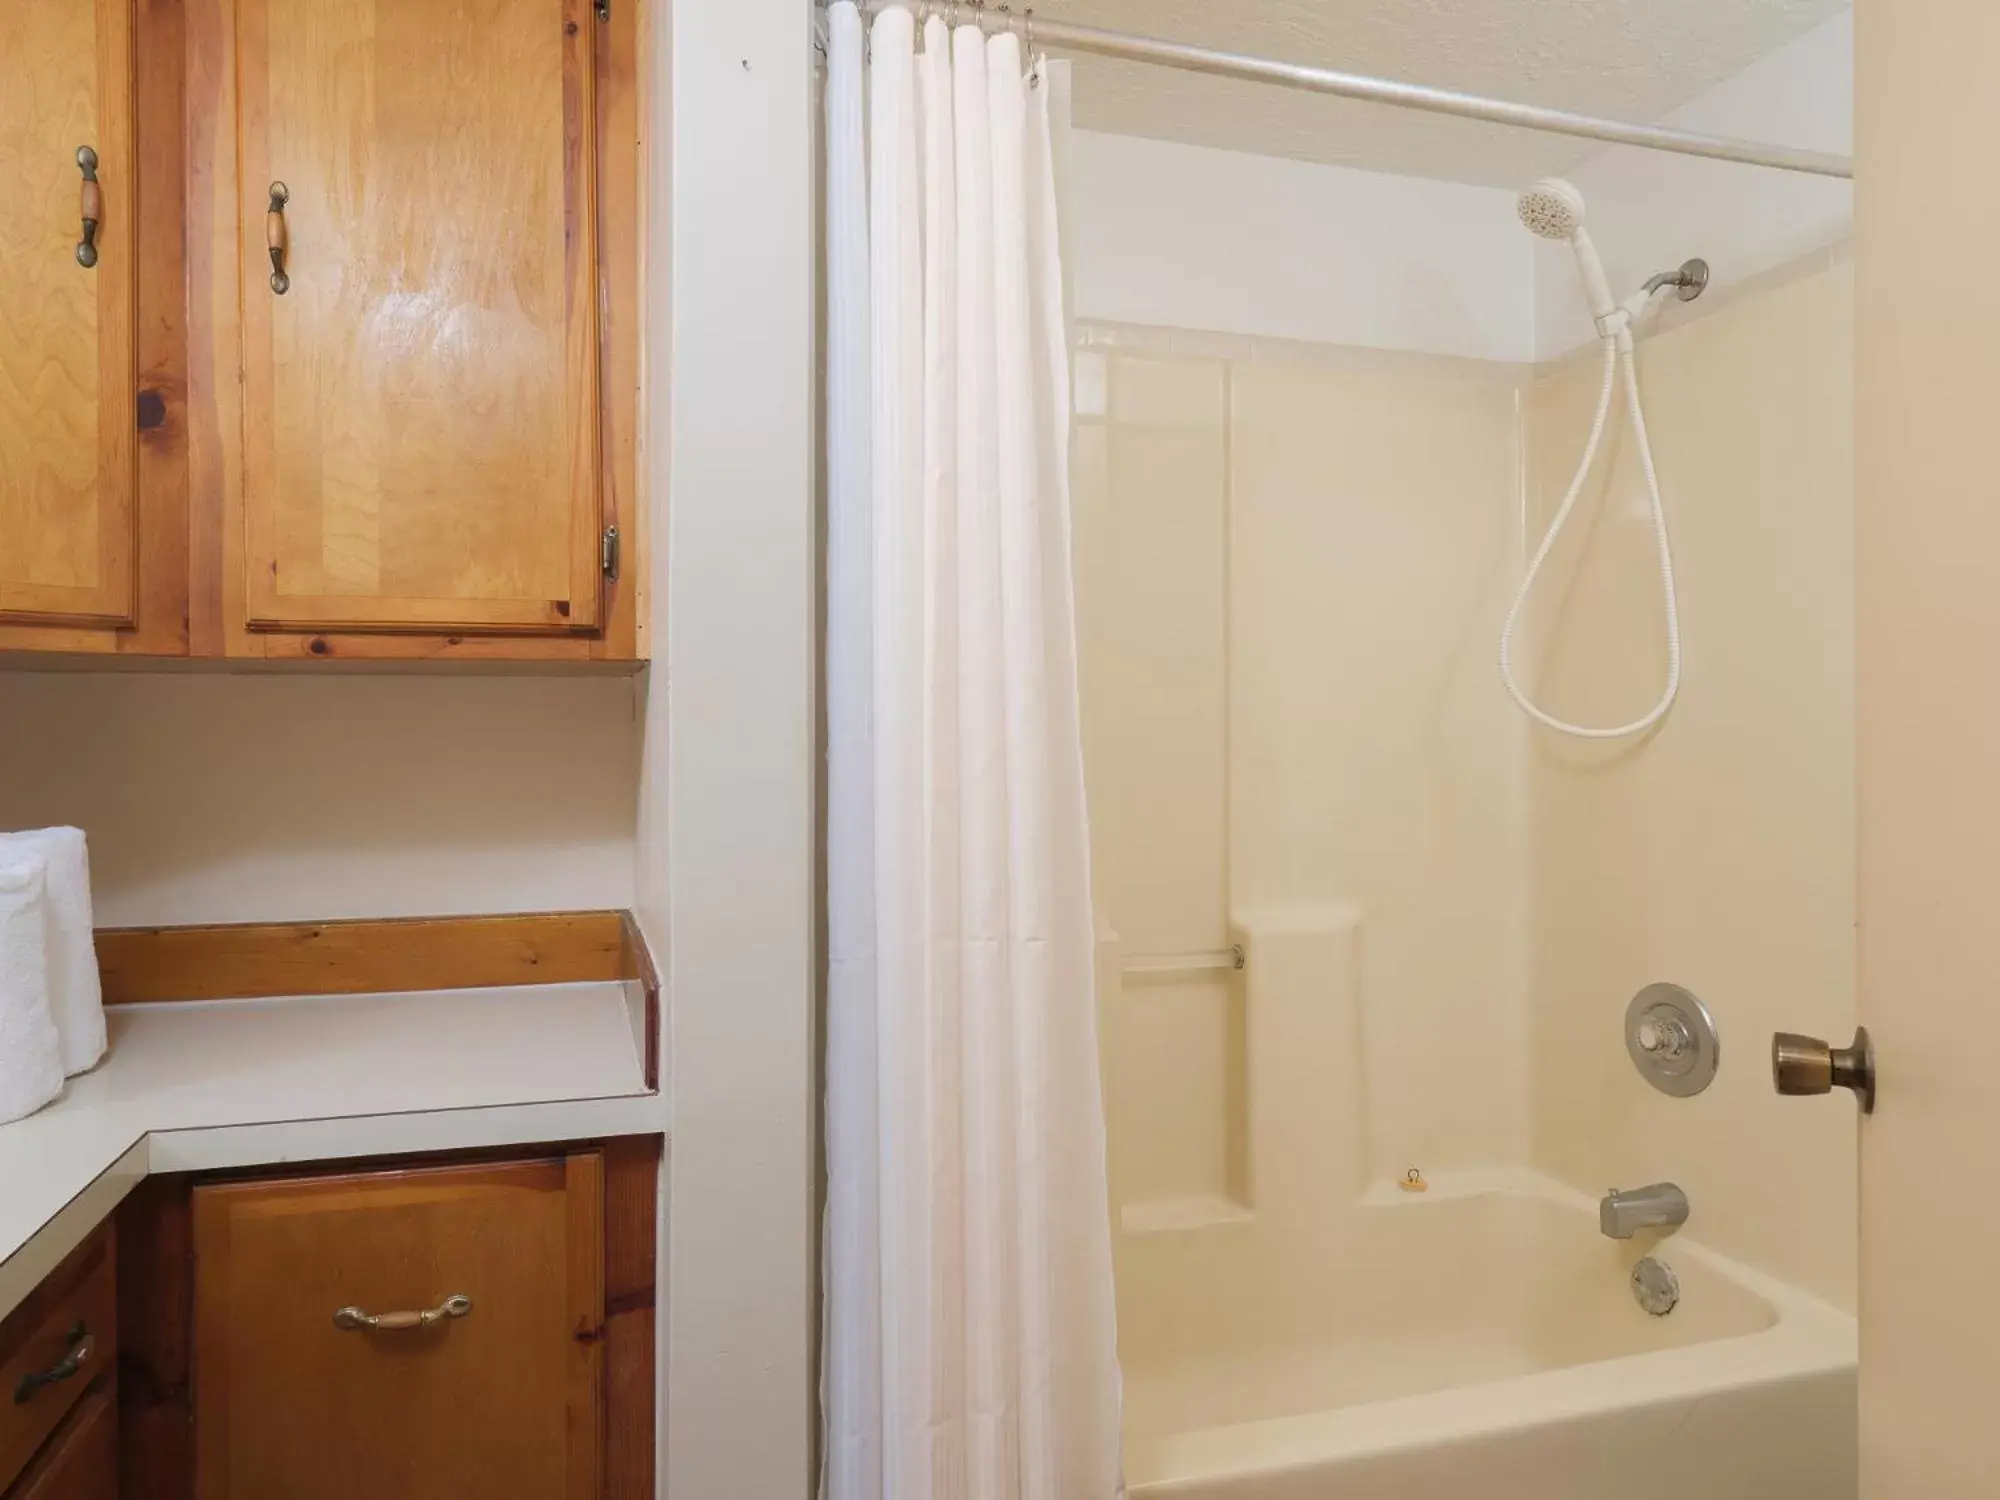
232, 1083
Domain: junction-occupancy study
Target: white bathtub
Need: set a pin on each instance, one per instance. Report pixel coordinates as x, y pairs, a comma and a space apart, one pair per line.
1479, 1341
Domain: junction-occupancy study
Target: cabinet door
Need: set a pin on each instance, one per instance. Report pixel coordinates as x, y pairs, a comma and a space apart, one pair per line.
81, 1460
295, 1397
68, 512
421, 399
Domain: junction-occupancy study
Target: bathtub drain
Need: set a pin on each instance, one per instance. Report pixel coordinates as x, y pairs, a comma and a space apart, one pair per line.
1655, 1286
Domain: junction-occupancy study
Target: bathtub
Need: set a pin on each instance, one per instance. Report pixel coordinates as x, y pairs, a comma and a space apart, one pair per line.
1480, 1340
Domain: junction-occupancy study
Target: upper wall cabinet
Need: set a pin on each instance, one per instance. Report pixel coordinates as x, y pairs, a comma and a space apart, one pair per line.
353, 369
420, 344
68, 510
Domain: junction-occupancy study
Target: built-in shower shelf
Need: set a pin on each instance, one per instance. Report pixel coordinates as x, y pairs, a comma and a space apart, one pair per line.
1165, 1215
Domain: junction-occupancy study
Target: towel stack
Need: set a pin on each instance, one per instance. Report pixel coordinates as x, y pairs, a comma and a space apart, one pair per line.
51, 1008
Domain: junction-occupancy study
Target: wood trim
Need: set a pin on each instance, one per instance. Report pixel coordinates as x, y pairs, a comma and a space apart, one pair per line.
215, 335
118, 304
162, 415
143, 964
637, 960
155, 1341
208, 1221
621, 209
631, 1278
583, 395
156, 1282
583, 1187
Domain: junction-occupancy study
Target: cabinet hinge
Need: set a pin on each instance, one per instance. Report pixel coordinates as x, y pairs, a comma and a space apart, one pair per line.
607, 554
603, 10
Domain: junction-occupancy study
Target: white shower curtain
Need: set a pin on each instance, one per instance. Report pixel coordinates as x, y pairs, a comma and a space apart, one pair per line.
970, 1343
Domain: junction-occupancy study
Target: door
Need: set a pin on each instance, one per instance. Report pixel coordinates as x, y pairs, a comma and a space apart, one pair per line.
418, 206
401, 1334
68, 481
1928, 368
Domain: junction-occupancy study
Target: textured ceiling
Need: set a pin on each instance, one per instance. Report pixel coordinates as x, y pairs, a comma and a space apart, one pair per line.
1631, 59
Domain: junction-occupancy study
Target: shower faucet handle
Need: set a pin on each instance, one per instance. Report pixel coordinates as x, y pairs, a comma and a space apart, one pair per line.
1807, 1065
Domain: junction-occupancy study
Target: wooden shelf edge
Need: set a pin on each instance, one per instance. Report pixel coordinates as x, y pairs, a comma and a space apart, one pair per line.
143, 965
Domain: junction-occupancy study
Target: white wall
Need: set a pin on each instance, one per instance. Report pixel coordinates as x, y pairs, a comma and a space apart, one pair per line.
1650, 211
239, 798
1720, 852
1188, 237
727, 852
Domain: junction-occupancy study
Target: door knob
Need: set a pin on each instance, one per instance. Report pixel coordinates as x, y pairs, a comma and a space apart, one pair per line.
1807, 1065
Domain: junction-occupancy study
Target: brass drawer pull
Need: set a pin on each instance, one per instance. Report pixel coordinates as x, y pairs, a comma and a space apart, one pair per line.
456, 1306
82, 1344
278, 237
93, 207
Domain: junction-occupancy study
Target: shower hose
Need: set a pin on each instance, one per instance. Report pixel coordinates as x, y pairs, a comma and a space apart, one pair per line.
1618, 351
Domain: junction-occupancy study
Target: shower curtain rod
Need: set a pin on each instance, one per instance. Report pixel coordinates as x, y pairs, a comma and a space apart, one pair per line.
1061, 36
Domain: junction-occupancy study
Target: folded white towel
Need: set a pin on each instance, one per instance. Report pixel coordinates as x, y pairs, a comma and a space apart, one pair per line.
76, 999
30, 1057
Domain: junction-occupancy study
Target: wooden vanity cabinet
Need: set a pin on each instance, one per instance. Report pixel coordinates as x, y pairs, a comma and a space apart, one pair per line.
58, 1393
81, 1460
399, 1331
413, 1333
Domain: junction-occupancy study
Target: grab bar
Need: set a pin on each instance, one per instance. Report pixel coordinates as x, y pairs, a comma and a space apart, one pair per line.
1232, 958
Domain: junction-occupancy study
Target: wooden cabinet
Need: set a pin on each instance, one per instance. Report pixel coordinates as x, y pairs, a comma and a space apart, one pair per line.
400, 1332
417, 201
81, 1460
68, 283
58, 1357
355, 374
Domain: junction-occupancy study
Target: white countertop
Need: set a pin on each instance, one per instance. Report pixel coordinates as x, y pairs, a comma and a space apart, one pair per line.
244, 1082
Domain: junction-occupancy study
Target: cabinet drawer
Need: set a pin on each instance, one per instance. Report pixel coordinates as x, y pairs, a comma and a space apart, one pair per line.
52, 1347
81, 1461
401, 1334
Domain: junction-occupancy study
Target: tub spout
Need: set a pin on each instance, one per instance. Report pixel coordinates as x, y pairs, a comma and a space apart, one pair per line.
1623, 1214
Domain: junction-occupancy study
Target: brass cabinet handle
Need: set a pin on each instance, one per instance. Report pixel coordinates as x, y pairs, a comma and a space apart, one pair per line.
82, 1344
276, 236
93, 207
455, 1306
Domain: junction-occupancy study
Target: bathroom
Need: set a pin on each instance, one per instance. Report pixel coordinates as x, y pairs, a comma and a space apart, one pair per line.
925, 748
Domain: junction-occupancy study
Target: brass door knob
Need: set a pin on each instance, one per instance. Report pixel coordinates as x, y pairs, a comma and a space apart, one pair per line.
1807, 1065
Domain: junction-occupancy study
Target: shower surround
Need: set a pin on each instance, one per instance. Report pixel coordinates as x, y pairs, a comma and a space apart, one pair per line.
1292, 562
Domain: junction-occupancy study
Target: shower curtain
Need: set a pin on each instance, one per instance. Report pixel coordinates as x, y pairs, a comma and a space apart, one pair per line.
970, 1348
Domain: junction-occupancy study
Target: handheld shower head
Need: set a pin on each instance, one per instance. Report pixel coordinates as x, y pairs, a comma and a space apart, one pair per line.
1553, 210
